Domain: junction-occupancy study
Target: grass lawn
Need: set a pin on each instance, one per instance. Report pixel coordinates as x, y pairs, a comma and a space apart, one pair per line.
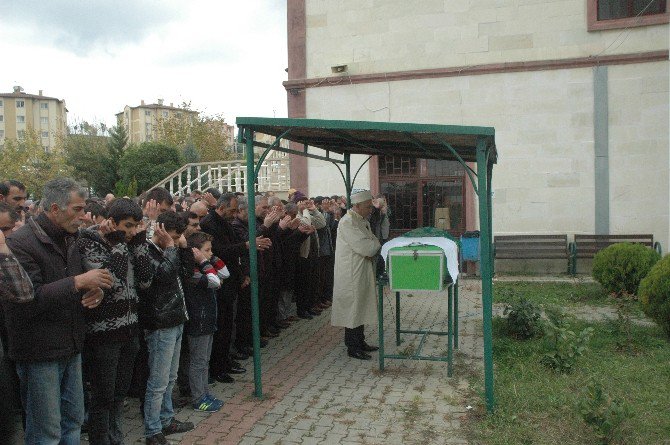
536, 405
560, 294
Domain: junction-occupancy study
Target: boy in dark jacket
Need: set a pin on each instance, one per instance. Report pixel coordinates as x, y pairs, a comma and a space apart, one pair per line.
200, 328
162, 315
112, 327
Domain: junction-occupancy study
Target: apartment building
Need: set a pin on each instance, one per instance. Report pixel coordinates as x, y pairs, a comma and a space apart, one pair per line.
20, 111
141, 122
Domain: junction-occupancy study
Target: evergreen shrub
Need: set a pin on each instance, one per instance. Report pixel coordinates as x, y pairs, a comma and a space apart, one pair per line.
654, 294
620, 267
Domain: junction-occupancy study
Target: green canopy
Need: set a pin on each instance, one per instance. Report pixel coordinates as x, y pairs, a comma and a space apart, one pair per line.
340, 139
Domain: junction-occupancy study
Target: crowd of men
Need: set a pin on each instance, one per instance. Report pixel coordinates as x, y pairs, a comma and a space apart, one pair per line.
103, 298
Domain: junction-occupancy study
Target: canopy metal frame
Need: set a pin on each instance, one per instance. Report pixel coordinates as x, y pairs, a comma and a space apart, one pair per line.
344, 138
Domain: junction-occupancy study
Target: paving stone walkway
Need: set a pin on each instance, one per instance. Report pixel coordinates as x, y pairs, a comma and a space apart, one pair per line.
315, 394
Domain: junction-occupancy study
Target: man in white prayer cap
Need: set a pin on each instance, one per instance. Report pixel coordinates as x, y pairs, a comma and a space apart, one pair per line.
354, 300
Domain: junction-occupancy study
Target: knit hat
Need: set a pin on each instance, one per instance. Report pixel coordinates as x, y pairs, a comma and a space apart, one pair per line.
361, 196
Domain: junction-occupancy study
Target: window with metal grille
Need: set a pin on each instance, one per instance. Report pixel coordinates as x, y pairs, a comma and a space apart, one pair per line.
612, 14
619, 9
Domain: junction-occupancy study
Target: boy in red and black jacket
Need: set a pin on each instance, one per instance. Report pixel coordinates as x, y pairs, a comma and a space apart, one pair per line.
200, 295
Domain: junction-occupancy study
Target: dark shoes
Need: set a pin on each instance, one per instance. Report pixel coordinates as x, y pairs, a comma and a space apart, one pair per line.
367, 348
176, 427
305, 315
224, 378
239, 356
358, 354
235, 370
269, 334
156, 439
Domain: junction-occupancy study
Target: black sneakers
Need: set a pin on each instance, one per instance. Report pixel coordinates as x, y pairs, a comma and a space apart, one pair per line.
177, 427
156, 439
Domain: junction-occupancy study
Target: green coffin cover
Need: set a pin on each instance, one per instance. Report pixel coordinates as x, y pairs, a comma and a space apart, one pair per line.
417, 268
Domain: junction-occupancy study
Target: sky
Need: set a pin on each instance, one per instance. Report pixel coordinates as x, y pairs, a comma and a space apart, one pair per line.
224, 57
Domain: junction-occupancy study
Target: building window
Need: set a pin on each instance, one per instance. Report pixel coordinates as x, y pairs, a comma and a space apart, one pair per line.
2, 118
165, 114
45, 134
44, 120
147, 113
21, 134
613, 14
20, 104
20, 119
44, 105
2, 134
1, 103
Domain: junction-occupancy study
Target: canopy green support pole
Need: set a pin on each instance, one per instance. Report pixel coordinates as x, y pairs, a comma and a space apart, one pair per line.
347, 177
489, 178
487, 283
253, 262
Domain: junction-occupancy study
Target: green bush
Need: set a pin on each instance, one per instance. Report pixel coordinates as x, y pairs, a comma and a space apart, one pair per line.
564, 345
523, 319
655, 294
620, 267
603, 412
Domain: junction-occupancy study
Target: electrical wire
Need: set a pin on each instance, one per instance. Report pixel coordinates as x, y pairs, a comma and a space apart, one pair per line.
626, 30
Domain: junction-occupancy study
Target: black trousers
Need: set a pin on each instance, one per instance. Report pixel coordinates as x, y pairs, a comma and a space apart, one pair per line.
354, 338
268, 296
227, 302
304, 286
326, 272
243, 336
111, 366
182, 373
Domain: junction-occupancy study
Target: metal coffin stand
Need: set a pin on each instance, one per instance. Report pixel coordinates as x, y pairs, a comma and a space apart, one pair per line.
451, 332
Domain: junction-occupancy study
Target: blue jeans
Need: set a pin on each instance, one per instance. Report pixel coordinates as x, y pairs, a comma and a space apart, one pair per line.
200, 349
164, 346
53, 396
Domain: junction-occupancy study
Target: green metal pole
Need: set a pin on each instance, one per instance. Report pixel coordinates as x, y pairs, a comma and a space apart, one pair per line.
253, 262
347, 177
397, 318
456, 315
487, 278
380, 319
489, 177
450, 331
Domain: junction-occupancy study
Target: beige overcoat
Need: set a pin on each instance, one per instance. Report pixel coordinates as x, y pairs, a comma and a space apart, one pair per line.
354, 293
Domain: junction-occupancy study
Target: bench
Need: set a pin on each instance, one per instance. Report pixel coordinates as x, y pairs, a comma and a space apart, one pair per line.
586, 246
536, 247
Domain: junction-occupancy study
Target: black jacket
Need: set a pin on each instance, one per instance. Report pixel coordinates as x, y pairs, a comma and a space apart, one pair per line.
162, 302
226, 245
51, 326
201, 301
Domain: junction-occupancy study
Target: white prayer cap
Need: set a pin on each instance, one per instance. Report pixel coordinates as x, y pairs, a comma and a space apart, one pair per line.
360, 196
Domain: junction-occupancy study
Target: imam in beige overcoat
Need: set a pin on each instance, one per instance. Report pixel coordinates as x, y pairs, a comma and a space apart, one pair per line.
354, 292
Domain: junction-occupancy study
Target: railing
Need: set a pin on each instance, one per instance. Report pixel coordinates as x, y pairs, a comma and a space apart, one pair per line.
227, 176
